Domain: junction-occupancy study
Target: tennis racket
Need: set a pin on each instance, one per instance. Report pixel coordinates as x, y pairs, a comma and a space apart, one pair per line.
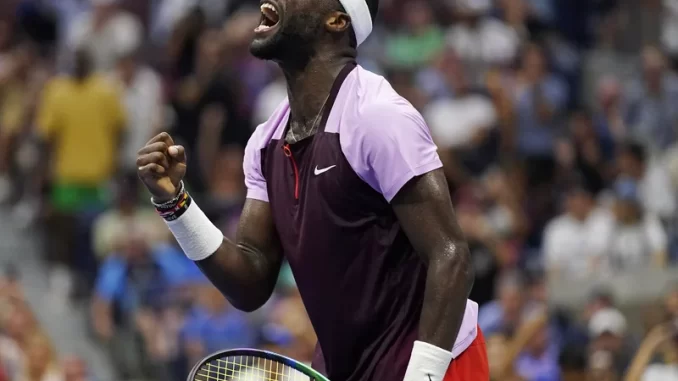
252, 365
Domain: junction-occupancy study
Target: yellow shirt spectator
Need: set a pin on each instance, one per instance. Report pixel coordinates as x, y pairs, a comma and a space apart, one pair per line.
83, 120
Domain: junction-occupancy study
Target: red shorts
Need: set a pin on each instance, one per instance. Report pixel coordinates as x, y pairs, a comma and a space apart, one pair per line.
472, 364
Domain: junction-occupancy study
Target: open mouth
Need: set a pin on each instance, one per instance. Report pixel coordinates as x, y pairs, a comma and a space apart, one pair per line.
269, 18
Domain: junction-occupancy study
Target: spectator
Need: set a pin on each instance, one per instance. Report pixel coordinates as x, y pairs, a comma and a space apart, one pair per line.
505, 314
655, 190
512, 362
133, 295
419, 41
20, 84
215, 325
538, 361
651, 116
142, 92
10, 287
253, 75
600, 299
540, 98
81, 120
661, 339
183, 44
609, 348
657, 356
41, 362
636, 238
609, 121
589, 160
574, 242
473, 114
288, 317
486, 260
104, 32
12, 359
481, 42
572, 362
670, 28
75, 369
18, 327
111, 226
207, 119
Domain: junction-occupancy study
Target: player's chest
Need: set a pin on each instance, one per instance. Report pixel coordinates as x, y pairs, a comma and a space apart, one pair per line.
312, 186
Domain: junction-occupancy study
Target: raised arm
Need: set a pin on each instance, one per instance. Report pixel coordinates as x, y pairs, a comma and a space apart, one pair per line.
424, 209
246, 270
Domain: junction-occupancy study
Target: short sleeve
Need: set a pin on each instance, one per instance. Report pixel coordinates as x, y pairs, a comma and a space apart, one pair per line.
254, 177
391, 145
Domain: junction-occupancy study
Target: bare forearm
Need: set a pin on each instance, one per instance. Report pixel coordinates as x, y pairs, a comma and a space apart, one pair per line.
448, 284
242, 274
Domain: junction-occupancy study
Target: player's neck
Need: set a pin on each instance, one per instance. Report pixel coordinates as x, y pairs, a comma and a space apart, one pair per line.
309, 86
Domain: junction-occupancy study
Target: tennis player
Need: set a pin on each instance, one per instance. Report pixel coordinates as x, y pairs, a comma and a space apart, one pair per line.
345, 183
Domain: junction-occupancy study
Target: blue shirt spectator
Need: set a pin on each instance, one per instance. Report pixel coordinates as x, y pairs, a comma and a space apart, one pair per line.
541, 367
146, 283
505, 314
213, 325
221, 330
536, 134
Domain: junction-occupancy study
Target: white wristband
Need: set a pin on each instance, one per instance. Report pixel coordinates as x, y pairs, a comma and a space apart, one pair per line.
427, 362
197, 236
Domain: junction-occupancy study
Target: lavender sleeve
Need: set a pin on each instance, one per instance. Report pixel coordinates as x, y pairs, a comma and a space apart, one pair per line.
254, 178
390, 145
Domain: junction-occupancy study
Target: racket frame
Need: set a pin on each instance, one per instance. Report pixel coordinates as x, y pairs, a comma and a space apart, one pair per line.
248, 352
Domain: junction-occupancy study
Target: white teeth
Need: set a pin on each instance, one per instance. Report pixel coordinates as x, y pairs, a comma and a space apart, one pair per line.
270, 7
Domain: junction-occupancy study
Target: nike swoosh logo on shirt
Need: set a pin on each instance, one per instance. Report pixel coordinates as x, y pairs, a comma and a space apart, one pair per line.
321, 171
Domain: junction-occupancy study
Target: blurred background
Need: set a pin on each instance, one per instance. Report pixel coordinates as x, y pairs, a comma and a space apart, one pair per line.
557, 121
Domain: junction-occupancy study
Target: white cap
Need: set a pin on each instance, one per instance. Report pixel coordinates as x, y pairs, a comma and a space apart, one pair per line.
361, 19
608, 320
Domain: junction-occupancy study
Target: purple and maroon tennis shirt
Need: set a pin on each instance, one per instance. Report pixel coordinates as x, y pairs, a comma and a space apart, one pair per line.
360, 279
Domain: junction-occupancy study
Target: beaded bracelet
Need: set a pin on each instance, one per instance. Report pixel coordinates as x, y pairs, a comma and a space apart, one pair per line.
176, 207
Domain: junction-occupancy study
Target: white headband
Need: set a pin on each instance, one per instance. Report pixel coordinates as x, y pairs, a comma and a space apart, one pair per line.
360, 18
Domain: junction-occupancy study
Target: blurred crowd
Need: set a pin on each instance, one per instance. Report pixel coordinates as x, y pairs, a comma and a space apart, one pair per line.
557, 122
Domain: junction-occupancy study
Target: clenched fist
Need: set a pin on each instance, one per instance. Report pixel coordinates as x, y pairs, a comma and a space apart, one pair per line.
162, 166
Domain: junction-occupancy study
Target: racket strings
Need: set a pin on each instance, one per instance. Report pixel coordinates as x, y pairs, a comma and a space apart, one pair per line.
247, 368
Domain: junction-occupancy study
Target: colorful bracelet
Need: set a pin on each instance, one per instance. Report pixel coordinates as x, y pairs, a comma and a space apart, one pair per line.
176, 207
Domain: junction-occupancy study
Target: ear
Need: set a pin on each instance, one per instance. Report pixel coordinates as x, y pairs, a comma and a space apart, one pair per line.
338, 22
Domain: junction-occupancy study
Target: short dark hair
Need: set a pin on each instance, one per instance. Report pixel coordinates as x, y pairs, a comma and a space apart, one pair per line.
635, 150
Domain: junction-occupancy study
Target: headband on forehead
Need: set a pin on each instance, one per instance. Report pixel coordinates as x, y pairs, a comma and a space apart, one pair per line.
360, 18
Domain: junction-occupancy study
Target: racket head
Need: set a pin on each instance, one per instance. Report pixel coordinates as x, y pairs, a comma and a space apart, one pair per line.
201, 371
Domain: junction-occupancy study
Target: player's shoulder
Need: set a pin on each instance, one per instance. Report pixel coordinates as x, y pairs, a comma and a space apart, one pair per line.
265, 132
380, 107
